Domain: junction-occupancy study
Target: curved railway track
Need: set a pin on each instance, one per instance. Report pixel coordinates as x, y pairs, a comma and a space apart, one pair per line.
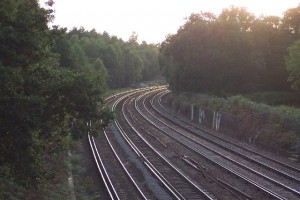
277, 189
189, 162
195, 127
115, 189
271, 163
102, 170
221, 192
178, 184
118, 192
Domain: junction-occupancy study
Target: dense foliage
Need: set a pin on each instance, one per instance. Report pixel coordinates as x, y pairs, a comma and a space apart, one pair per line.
123, 63
51, 84
293, 64
275, 127
234, 52
52, 81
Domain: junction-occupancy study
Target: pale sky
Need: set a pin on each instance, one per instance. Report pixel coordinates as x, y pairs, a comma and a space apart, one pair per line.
152, 20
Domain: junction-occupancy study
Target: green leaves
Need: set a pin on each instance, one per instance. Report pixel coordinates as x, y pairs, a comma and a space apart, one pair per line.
207, 56
291, 21
232, 53
39, 98
22, 29
52, 83
121, 63
292, 62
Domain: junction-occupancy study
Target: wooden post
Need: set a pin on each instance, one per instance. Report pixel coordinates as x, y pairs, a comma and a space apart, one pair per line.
192, 112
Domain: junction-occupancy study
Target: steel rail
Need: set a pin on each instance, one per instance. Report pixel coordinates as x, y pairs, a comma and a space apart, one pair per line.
228, 141
153, 169
230, 159
101, 168
214, 161
222, 145
148, 164
124, 168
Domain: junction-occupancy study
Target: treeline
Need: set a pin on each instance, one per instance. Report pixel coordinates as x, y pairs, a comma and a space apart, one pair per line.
51, 84
234, 52
122, 63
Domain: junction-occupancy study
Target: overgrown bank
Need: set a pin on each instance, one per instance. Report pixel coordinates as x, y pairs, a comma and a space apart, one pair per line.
275, 128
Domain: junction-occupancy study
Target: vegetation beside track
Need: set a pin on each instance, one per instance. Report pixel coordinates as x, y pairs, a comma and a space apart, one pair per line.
274, 127
276, 98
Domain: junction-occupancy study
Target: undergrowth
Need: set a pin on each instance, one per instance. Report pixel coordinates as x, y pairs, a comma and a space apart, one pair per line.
276, 126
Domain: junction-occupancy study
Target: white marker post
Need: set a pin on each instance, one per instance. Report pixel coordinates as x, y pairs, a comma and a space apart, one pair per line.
201, 115
192, 112
214, 119
218, 121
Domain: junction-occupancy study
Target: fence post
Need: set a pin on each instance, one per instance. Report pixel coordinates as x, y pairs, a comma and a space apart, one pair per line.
200, 116
214, 118
218, 121
192, 112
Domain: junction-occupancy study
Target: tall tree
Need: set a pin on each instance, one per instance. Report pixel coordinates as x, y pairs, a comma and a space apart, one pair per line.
293, 64
291, 21
234, 52
132, 66
149, 56
23, 29
271, 42
211, 55
236, 18
39, 99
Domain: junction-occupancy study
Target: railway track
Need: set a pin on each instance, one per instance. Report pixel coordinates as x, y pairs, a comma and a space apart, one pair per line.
178, 184
156, 104
290, 172
207, 182
114, 179
102, 170
183, 157
276, 185
118, 191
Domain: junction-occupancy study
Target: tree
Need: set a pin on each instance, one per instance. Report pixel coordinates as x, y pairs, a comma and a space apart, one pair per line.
40, 99
232, 53
149, 56
291, 21
212, 55
62, 47
78, 55
271, 42
24, 44
132, 66
102, 74
293, 64
112, 60
23, 31
236, 18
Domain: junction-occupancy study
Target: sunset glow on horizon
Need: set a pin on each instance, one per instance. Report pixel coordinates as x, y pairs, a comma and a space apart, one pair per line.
151, 20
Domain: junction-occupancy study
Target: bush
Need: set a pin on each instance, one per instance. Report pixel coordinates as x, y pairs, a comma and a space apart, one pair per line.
260, 123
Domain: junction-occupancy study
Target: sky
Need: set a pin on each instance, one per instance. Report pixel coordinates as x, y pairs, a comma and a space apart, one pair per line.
151, 20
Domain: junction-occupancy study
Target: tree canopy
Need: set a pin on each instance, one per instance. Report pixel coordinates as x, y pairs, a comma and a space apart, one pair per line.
234, 52
52, 83
52, 80
293, 64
